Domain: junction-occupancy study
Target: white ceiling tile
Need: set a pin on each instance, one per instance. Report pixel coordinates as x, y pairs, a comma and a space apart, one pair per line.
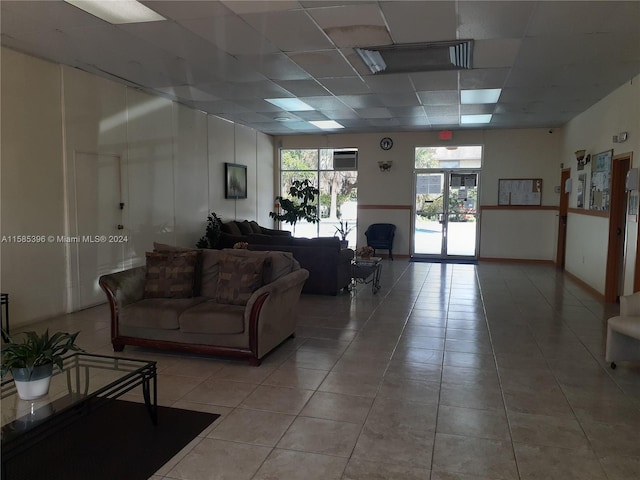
277, 66
477, 109
374, 112
404, 99
53, 14
495, 53
483, 78
439, 97
396, 82
186, 9
324, 103
230, 34
361, 101
303, 88
493, 19
428, 81
357, 25
188, 92
440, 110
261, 6
345, 85
290, 31
442, 120
570, 18
407, 112
324, 63
424, 21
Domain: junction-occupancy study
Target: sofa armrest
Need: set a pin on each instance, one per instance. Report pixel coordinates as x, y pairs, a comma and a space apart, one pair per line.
270, 231
270, 314
630, 305
122, 288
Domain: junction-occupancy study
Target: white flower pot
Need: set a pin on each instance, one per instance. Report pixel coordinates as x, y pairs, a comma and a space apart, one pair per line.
32, 383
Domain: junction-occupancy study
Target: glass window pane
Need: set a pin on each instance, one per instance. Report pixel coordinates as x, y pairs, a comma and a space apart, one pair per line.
299, 159
289, 177
326, 159
338, 195
465, 157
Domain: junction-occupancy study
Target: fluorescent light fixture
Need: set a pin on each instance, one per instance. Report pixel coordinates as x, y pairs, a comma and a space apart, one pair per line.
117, 12
372, 59
486, 95
290, 104
326, 124
470, 119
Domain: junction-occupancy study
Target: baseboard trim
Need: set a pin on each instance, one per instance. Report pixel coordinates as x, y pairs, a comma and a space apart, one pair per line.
582, 284
516, 260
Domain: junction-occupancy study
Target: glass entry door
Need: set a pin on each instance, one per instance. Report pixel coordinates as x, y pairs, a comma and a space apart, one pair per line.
445, 214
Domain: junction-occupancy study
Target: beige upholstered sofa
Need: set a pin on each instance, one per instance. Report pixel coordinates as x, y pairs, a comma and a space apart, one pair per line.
241, 303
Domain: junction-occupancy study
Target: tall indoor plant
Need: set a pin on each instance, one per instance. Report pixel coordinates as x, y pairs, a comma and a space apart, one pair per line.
31, 361
212, 233
300, 206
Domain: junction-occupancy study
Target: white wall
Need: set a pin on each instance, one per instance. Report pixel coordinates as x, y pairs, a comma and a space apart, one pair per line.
172, 169
592, 130
388, 197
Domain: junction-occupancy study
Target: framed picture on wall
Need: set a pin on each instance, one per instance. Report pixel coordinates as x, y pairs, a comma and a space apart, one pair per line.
235, 185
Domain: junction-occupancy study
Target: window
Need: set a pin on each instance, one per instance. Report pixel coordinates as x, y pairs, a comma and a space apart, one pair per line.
338, 198
454, 157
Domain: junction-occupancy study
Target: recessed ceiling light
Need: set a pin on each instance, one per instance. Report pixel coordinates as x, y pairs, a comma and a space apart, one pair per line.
326, 124
290, 104
469, 119
485, 95
118, 12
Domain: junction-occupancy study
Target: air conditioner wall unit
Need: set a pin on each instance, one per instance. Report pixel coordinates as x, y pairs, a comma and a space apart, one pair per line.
345, 160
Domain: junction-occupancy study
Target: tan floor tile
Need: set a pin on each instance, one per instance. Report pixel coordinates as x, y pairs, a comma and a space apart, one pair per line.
219, 392
245, 373
252, 426
551, 404
315, 435
417, 355
473, 422
351, 384
193, 367
550, 431
277, 399
608, 439
409, 390
216, 460
621, 468
455, 476
422, 372
290, 465
334, 406
553, 463
367, 470
471, 396
464, 375
469, 360
476, 456
303, 378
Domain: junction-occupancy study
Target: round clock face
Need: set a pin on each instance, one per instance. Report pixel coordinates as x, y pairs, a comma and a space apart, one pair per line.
386, 143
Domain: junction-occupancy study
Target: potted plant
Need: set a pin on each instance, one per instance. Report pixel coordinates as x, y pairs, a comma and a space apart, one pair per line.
301, 205
31, 361
344, 229
212, 233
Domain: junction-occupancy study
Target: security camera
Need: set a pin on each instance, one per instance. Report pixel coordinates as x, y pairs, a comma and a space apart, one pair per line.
550, 130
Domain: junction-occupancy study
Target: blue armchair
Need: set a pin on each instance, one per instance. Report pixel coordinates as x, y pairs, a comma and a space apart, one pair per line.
380, 235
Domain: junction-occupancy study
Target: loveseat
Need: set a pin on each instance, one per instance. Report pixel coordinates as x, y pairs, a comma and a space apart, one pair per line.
234, 231
329, 264
222, 302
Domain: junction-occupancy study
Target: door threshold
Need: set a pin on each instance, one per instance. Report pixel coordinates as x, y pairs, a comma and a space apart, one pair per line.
464, 261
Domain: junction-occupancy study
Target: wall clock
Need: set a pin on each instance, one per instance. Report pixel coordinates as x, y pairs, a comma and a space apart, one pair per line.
386, 143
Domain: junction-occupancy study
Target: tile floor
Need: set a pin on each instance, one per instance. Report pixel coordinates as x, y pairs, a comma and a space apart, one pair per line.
450, 372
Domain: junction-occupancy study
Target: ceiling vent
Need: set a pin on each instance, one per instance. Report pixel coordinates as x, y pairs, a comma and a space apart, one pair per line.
345, 160
419, 57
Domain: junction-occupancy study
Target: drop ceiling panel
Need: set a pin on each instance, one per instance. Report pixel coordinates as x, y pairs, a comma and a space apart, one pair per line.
290, 31
588, 17
441, 97
53, 14
375, 112
230, 34
187, 9
429, 81
325, 63
483, 78
358, 25
408, 99
345, 85
495, 53
398, 82
261, 6
362, 101
492, 20
413, 22
303, 88
407, 111
277, 66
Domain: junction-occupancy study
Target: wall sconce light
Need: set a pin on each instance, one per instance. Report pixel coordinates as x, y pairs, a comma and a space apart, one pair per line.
582, 158
385, 166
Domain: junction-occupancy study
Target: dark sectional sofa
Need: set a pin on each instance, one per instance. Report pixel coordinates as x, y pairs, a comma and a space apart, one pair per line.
235, 231
328, 264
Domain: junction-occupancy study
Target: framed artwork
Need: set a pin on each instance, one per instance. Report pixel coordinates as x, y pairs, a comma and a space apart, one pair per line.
235, 185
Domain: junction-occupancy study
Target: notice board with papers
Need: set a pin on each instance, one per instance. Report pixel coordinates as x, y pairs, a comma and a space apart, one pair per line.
520, 191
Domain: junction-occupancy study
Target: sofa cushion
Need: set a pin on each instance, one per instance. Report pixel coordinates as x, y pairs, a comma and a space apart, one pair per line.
170, 274
231, 228
197, 282
239, 277
213, 318
255, 227
245, 228
157, 312
210, 271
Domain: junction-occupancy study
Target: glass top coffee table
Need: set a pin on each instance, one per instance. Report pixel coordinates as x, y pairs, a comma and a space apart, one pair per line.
367, 270
87, 382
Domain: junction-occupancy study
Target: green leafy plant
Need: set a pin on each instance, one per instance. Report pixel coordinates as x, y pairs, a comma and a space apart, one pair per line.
344, 229
36, 350
212, 233
300, 206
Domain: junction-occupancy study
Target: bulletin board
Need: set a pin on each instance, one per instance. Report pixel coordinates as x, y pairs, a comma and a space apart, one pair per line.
520, 191
600, 196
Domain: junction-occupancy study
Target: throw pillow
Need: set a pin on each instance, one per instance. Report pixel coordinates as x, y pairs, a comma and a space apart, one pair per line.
255, 227
239, 277
170, 274
164, 248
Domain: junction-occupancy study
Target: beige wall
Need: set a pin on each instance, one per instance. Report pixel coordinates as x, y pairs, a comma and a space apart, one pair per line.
172, 174
528, 153
587, 236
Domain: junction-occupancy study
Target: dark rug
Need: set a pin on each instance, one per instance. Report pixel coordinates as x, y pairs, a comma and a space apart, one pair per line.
115, 442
